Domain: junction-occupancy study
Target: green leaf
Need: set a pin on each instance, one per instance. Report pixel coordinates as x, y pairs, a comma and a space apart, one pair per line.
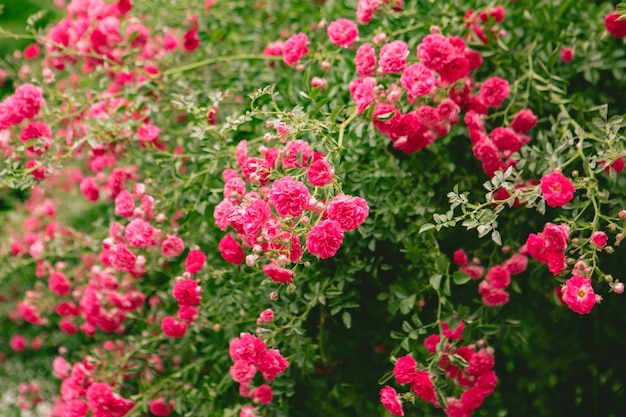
460, 278
407, 304
426, 226
347, 319
435, 281
489, 329
383, 379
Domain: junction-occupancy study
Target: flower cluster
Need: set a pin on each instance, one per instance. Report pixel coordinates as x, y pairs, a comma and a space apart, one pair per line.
270, 217
472, 377
548, 246
492, 288
250, 355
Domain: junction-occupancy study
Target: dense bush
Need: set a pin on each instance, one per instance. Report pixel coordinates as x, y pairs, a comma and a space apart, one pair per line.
314, 207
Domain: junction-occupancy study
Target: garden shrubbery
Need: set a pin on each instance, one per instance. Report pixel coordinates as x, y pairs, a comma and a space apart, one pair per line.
314, 207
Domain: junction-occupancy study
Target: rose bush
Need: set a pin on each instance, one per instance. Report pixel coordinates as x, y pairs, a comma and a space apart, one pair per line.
307, 208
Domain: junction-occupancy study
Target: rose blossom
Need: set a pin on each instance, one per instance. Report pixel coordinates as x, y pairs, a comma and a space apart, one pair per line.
578, 294
393, 57
494, 91
295, 48
343, 32
289, 197
231, 250
390, 401
348, 211
320, 173
599, 239
365, 60
325, 238
557, 189
405, 369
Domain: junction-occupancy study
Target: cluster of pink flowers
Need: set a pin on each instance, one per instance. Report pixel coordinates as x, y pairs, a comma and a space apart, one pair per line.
444, 61
186, 291
82, 395
270, 217
29, 395
24, 104
548, 246
495, 149
250, 355
492, 288
473, 382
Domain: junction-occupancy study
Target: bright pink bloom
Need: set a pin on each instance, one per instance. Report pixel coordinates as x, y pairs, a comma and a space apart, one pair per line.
320, 173
160, 408
124, 204
255, 216
491, 296
431, 342
343, 32
567, 54
289, 197
578, 294
187, 292
172, 327
557, 189
599, 239
27, 100
523, 121
122, 258
418, 80
498, 277
365, 60
264, 394
59, 284
148, 133
266, 315
349, 212
405, 369
139, 233
271, 364
516, 264
393, 57
460, 257
455, 70
507, 139
17, 343
231, 250
423, 387
195, 261
247, 347
277, 273
31, 51
494, 91
295, 48
362, 92
242, 371
615, 27
389, 399
187, 313
455, 334
435, 51
89, 189
325, 238
61, 367
172, 246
